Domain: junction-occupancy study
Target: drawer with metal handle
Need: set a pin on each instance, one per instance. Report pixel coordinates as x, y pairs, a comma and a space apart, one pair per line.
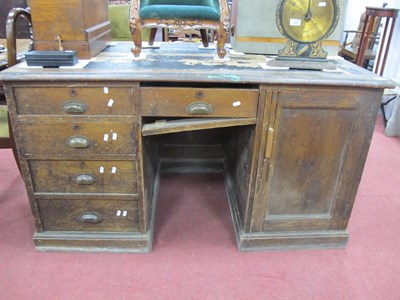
61, 138
75, 100
198, 102
89, 215
53, 176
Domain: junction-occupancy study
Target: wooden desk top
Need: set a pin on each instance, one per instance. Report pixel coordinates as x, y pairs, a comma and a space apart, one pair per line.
185, 62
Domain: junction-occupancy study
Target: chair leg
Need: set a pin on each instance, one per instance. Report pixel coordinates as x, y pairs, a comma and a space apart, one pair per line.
383, 104
153, 32
165, 35
223, 28
137, 41
222, 37
135, 28
204, 37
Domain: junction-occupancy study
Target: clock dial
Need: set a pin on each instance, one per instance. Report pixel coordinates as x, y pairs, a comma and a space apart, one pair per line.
307, 21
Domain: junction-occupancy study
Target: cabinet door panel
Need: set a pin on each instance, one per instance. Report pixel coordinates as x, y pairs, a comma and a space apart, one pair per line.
308, 158
315, 146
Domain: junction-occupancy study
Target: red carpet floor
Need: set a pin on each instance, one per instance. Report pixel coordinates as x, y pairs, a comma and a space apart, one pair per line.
195, 254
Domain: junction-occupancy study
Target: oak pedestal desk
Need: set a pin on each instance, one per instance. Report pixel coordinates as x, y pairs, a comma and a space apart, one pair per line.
92, 142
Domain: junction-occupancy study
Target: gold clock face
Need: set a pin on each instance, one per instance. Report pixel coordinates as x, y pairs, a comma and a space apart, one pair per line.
307, 21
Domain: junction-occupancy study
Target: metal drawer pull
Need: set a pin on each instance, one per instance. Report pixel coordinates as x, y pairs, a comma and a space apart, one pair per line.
74, 107
90, 218
84, 179
199, 108
78, 142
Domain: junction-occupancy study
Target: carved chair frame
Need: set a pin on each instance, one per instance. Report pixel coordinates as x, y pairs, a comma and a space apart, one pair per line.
136, 25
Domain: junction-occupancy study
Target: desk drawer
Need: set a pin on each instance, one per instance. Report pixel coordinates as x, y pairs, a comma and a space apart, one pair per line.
84, 176
199, 102
79, 138
74, 101
89, 215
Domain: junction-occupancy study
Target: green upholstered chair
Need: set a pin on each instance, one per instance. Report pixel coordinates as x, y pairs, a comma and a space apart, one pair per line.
181, 15
119, 23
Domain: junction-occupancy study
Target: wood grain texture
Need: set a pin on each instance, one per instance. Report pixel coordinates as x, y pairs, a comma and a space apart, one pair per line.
293, 152
93, 242
158, 101
51, 101
65, 215
118, 177
165, 127
315, 141
82, 24
239, 164
38, 139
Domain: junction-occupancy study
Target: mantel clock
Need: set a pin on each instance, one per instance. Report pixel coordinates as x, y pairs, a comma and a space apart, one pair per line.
306, 23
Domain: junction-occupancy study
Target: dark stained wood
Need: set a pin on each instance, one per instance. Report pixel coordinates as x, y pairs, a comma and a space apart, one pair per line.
83, 25
88, 215
193, 145
14, 15
164, 126
49, 101
57, 175
372, 15
186, 66
310, 149
111, 242
22, 28
310, 177
5, 142
239, 153
156, 101
108, 176
292, 155
100, 136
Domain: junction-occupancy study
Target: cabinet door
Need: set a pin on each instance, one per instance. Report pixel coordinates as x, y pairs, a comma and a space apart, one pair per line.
314, 149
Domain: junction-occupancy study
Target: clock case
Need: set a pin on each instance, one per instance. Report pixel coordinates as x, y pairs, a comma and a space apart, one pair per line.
312, 51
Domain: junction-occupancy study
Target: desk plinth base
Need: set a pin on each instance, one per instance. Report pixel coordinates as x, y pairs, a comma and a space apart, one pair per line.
283, 240
291, 240
52, 241
299, 240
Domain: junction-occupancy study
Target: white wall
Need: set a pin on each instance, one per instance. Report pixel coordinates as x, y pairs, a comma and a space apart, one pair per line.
353, 10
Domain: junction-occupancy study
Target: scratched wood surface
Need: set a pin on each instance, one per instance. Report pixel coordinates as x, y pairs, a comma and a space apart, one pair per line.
291, 144
185, 62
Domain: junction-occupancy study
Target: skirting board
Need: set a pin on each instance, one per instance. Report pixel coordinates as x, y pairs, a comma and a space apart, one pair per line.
92, 242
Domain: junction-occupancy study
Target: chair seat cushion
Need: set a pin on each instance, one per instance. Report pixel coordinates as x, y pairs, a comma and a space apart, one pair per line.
180, 9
